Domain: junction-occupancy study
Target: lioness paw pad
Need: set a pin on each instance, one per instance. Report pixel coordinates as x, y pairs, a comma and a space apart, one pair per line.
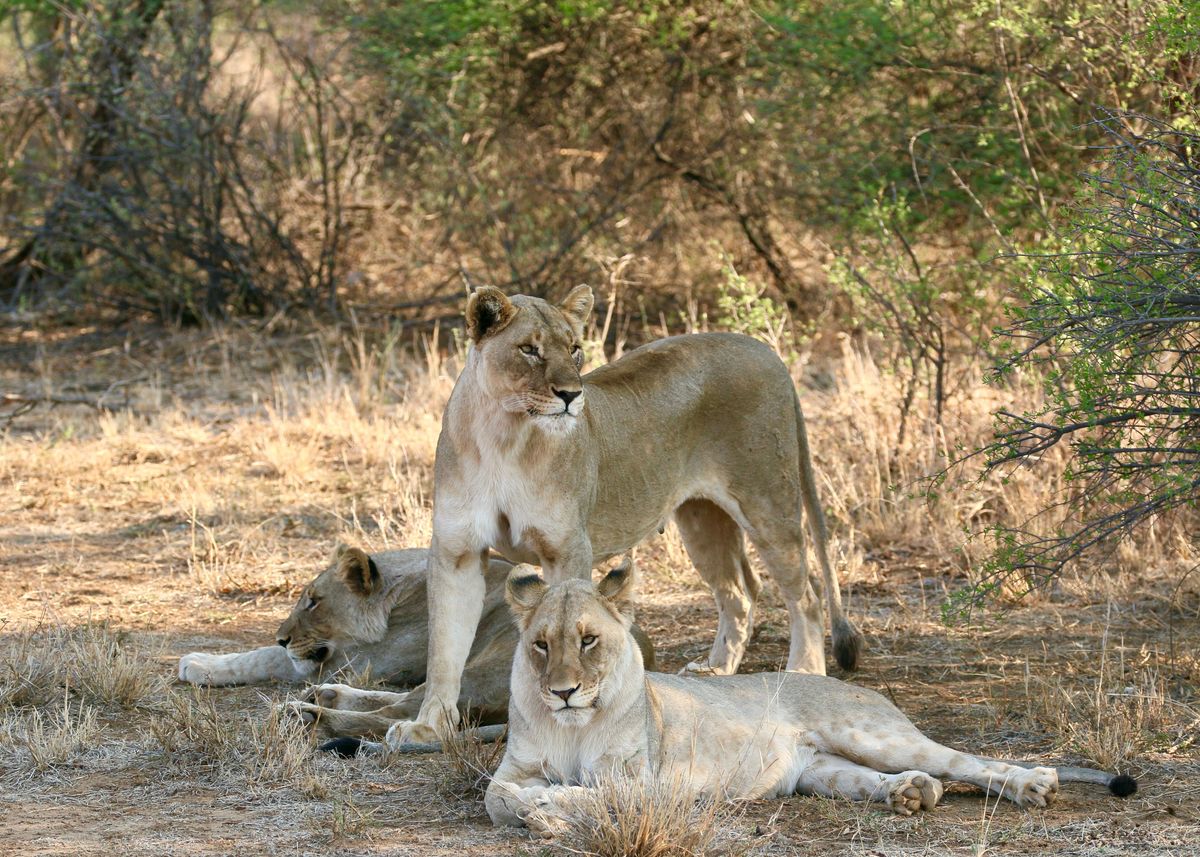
306, 712
545, 824
325, 695
410, 732
913, 791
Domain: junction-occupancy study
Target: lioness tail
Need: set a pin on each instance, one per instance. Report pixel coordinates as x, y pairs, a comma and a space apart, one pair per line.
847, 641
1121, 785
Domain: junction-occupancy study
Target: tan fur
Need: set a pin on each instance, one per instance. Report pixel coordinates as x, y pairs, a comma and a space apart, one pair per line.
545, 466
730, 737
369, 614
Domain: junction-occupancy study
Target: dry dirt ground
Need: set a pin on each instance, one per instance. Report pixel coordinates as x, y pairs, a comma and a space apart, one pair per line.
210, 474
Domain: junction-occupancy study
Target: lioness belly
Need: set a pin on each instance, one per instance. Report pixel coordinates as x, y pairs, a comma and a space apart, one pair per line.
729, 745
765, 727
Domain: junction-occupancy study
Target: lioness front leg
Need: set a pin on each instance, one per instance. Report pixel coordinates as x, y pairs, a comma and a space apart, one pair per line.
904, 793
518, 798
456, 592
270, 663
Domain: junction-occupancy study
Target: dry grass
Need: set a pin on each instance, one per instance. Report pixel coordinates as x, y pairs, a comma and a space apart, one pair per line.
40, 740
189, 522
471, 764
632, 817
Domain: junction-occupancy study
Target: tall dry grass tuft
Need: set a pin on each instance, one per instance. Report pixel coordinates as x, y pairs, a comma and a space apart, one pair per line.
281, 753
92, 663
101, 668
470, 765
190, 729
1113, 710
40, 740
633, 817
195, 731
27, 677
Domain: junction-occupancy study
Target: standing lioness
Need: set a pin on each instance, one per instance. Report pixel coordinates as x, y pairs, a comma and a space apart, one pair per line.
545, 466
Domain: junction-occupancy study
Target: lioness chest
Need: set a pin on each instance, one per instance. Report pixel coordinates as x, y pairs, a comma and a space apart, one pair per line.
496, 504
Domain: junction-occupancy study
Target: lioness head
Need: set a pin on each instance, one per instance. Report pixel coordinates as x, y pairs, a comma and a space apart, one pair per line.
340, 607
530, 353
574, 638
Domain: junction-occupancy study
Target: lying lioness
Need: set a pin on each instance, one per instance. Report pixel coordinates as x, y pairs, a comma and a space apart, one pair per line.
369, 614
583, 707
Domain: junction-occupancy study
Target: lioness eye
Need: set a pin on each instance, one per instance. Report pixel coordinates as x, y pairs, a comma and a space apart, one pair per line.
541, 646
575, 349
587, 640
531, 350
312, 603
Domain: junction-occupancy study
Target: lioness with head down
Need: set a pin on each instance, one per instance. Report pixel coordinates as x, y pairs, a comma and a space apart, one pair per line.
547, 466
369, 614
583, 708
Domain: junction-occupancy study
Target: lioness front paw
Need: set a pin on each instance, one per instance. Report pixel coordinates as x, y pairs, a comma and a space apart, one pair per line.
912, 791
410, 732
548, 818
545, 823
1036, 787
198, 668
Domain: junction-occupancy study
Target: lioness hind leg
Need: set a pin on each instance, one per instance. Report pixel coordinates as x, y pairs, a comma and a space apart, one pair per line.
716, 547
904, 793
354, 724
896, 749
346, 698
783, 554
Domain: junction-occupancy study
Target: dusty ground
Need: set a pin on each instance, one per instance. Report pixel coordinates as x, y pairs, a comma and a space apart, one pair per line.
220, 469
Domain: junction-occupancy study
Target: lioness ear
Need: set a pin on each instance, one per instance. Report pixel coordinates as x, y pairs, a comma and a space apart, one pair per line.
358, 570
617, 587
488, 311
577, 306
524, 590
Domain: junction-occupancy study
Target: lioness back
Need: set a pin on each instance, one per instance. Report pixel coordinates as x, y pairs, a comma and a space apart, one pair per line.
708, 414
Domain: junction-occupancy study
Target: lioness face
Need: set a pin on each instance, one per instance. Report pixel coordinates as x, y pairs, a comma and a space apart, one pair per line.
530, 353
335, 610
573, 637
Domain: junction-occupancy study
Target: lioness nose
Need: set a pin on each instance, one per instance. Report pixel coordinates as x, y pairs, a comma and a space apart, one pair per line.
564, 695
283, 641
567, 396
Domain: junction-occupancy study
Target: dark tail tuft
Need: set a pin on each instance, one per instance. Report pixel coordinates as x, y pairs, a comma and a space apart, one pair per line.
1122, 785
847, 645
347, 748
